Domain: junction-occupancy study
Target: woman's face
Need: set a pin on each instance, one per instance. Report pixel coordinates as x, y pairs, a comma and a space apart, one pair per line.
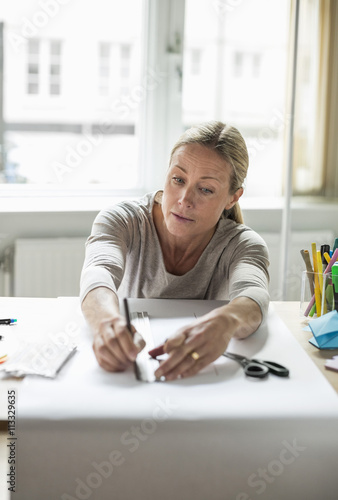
196, 191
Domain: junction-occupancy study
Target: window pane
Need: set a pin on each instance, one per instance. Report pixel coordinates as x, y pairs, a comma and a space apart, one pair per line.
125, 61
33, 46
55, 89
33, 88
241, 79
55, 69
104, 50
55, 48
67, 123
33, 69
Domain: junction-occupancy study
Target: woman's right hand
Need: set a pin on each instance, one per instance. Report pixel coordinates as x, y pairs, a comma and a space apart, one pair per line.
113, 344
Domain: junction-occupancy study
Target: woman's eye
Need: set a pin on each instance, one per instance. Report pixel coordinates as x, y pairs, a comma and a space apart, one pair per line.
178, 180
206, 190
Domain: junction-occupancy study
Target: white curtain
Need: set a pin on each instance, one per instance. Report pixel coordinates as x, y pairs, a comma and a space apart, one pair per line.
315, 158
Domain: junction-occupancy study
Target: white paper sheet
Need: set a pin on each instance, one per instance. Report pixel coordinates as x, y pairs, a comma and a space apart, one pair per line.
202, 437
220, 391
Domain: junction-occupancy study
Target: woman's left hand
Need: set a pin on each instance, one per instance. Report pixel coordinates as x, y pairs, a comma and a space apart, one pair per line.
195, 346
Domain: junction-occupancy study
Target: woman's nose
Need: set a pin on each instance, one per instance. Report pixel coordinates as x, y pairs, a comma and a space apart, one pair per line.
187, 197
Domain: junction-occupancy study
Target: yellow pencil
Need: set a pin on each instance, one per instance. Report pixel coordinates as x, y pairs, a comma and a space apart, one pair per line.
320, 277
327, 257
320, 270
317, 286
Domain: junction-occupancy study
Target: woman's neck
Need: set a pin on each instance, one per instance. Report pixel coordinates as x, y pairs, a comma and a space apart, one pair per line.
180, 255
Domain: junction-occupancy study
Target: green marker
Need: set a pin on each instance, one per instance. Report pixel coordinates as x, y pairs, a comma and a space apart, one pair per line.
335, 245
334, 272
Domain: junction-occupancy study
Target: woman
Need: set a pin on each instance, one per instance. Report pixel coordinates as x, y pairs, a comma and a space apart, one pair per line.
188, 241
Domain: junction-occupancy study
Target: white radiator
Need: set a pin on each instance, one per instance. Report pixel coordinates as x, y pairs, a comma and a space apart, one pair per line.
6, 265
47, 267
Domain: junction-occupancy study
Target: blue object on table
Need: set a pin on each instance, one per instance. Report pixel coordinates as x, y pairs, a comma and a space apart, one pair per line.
258, 368
325, 331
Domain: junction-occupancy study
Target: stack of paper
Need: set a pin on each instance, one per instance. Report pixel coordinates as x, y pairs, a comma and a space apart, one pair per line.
325, 331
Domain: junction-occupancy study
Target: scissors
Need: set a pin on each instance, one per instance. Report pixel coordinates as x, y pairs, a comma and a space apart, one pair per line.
258, 368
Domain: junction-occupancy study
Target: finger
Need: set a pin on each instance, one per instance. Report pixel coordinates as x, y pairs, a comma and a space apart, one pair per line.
109, 368
174, 359
176, 341
182, 367
106, 358
139, 341
189, 365
180, 359
157, 351
119, 340
197, 366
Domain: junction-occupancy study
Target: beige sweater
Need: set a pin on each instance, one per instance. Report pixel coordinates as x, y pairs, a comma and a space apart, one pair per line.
123, 253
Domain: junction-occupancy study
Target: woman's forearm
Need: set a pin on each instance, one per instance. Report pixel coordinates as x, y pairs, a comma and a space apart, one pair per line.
99, 305
245, 316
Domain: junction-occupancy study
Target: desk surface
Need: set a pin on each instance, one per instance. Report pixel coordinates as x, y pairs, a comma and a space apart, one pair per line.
226, 421
289, 313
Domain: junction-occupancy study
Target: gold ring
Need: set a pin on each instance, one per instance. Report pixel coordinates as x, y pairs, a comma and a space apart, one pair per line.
195, 355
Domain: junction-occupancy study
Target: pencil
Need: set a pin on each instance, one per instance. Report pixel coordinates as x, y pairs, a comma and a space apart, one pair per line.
317, 286
327, 257
306, 257
127, 315
321, 282
327, 270
320, 270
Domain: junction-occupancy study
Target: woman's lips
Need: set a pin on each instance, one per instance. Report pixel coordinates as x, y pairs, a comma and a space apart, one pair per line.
182, 218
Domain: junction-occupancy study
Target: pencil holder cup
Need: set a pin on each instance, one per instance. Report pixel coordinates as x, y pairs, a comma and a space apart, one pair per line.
316, 296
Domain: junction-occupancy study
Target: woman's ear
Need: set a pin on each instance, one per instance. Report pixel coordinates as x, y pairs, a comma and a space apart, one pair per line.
235, 198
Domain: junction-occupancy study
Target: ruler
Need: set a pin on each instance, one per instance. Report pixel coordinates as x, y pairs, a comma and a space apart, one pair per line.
145, 365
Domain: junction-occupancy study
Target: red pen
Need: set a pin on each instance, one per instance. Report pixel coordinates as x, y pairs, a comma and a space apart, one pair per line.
157, 351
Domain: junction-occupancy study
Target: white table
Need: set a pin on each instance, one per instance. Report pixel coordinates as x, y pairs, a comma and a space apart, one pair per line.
219, 435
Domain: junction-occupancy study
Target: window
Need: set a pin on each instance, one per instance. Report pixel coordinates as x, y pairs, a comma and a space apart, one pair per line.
95, 97
33, 66
125, 61
242, 79
55, 68
43, 67
238, 64
196, 59
70, 105
104, 69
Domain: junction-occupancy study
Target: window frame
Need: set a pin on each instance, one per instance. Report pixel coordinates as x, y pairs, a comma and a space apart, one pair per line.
163, 26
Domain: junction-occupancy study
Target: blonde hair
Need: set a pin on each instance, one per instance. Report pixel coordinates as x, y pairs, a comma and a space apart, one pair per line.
228, 142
